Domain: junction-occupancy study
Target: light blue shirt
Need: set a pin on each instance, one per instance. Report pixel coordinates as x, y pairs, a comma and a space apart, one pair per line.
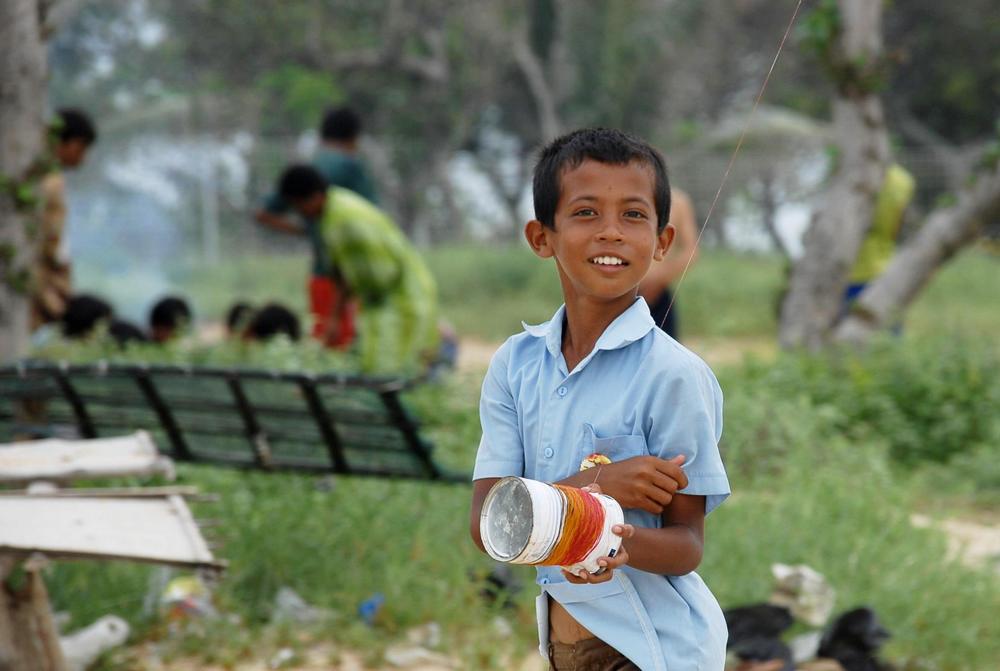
638, 392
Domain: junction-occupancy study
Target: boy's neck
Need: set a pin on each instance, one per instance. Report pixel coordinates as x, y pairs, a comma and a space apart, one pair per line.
586, 321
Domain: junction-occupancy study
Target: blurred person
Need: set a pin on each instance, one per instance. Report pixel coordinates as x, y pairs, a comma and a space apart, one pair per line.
73, 134
879, 244
656, 286
271, 320
170, 318
376, 265
338, 161
237, 317
125, 333
82, 314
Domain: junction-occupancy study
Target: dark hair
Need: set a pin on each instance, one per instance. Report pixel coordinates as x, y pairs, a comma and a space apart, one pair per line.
74, 124
604, 145
271, 320
123, 332
300, 181
340, 123
82, 314
238, 315
169, 312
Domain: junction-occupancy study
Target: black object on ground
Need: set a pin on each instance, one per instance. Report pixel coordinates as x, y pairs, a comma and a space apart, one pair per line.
756, 621
755, 633
854, 639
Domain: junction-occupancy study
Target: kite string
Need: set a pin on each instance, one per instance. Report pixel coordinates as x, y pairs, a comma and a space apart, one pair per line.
732, 159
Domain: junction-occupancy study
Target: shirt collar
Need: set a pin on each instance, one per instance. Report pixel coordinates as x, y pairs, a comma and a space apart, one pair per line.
629, 326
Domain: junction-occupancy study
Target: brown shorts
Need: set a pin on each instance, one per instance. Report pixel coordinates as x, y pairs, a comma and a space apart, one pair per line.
590, 654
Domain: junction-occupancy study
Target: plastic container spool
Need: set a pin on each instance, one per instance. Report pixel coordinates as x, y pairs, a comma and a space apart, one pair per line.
522, 520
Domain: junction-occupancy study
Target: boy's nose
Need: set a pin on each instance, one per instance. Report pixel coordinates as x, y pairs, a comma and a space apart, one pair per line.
611, 229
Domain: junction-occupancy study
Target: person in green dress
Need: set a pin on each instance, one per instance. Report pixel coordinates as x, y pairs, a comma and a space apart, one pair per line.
377, 265
337, 160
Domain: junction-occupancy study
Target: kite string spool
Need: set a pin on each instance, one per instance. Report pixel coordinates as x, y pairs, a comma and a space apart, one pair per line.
581, 530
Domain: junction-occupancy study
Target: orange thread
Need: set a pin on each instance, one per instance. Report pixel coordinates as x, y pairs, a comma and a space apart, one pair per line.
583, 524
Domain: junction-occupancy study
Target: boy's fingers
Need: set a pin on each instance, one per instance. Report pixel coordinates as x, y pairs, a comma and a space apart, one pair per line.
624, 530
666, 483
672, 469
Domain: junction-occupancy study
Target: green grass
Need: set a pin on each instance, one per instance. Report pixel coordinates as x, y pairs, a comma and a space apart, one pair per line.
828, 456
807, 491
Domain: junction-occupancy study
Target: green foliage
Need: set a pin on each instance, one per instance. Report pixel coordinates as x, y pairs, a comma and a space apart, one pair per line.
819, 29
298, 96
828, 456
927, 400
808, 488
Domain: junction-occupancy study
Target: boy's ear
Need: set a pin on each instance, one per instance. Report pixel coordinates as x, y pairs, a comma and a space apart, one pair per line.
536, 233
664, 239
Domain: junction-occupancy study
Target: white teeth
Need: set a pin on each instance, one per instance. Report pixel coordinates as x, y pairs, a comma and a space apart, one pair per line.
607, 261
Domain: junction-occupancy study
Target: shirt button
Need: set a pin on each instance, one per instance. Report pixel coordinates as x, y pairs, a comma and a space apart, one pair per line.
544, 581
548, 452
562, 391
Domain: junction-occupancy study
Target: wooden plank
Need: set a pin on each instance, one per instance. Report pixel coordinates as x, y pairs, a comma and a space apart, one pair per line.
187, 491
62, 460
156, 530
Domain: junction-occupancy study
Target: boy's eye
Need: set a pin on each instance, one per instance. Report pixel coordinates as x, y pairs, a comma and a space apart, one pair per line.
635, 214
585, 212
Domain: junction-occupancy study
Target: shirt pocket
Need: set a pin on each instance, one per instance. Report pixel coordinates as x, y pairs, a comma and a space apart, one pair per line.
615, 448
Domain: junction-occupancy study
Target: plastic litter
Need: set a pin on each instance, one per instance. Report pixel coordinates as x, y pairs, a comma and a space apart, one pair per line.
83, 647
369, 609
803, 591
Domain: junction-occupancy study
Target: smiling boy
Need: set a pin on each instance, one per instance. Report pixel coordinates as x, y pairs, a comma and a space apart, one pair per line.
600, 378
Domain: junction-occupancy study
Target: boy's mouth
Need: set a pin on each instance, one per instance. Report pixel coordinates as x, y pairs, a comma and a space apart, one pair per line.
608, 261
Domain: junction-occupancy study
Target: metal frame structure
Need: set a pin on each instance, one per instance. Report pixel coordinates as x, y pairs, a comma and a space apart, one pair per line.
325, 423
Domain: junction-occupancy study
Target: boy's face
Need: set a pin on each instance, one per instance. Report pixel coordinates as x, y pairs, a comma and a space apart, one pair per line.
312, 206
71, 153
605, 235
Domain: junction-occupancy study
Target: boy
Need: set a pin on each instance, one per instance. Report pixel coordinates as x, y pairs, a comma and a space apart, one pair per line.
337, 160
74, 134
599, 377
170, 318
377, 265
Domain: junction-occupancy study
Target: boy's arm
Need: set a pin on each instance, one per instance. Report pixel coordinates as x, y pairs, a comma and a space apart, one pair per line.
648, 483
674, 549
278, 222
480, 488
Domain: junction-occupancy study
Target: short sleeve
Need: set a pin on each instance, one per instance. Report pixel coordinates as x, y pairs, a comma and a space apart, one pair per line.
685, 417
501, 452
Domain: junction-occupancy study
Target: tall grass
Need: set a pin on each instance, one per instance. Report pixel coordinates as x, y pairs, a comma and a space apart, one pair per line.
828, 457
806, 491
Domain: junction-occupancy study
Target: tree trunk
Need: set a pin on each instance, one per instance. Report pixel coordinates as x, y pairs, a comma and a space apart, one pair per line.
832, 242
22, 133
945, 232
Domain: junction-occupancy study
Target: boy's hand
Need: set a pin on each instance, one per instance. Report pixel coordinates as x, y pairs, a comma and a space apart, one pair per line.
648, 483
608, 564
